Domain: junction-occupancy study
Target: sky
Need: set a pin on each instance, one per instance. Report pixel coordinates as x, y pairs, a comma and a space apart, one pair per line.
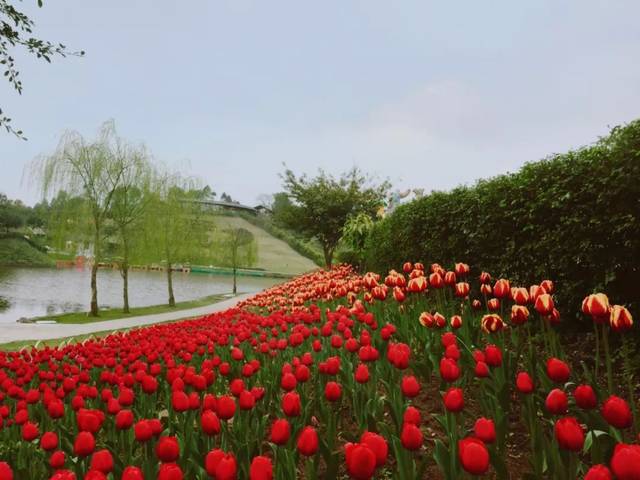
427, 94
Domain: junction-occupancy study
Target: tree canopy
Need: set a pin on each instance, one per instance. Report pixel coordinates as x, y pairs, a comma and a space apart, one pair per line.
320, 206
16, 31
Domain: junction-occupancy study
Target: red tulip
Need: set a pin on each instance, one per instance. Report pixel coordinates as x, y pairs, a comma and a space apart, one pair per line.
360, 460
378, 446
502, 289
473, 455
481, 370
170, 471
620, 319
524, 383
491, 323
411, 437
493, 356
519, 314
48, 442
411, 415
210, 423
616, 412
454, 400
569, 434
167, 449
291, 404
261, 469
462, 290
30, 431
226, 407
84, 444
544, 304
598, 472
132, 473
557, 370
585, 397
308, 441
6, 473
556, 402
280, 431
102, 460
362, 373
597, 305
57, 459
124, 419
449, 370
410, 386
332, 391
520, 295
485, 430
142, 431
625, 462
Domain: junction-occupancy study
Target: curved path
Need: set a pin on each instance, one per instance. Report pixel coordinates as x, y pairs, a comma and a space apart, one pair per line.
15, 332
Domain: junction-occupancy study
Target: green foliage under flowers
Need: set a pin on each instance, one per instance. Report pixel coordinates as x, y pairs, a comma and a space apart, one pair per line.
572, 217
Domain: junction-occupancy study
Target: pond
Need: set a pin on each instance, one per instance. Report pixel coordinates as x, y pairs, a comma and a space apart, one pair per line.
34, 292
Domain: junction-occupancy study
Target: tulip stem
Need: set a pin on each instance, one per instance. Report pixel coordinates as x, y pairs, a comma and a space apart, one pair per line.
595, 327
629, 374
605, 341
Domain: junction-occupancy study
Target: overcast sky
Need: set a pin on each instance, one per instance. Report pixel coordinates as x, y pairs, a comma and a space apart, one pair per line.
427, 93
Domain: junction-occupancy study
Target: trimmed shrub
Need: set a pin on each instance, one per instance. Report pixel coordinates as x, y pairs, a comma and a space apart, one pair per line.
573, 218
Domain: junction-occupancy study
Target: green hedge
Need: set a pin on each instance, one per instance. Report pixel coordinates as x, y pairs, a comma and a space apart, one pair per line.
573, 218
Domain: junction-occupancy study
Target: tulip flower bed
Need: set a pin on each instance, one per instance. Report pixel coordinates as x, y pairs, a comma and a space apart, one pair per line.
421, 374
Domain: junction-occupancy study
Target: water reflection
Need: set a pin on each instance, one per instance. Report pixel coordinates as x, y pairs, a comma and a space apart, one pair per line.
35, 291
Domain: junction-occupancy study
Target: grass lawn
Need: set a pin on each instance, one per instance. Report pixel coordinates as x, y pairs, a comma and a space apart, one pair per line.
18, 252
116, 313
274, 255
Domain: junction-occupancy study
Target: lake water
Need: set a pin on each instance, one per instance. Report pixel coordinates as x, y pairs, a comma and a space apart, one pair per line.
35, 292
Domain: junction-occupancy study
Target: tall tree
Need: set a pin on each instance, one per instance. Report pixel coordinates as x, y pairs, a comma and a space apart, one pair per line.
15, 31
239, 241
129, 205
176, 229
322, 205
93, 169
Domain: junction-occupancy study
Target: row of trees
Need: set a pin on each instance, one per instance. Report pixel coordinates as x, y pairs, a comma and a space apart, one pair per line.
126, 207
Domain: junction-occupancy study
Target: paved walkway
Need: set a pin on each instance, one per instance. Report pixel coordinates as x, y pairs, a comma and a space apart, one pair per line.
14, 332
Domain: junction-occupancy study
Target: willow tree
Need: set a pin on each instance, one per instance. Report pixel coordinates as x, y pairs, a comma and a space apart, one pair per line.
92, 169
176, 229
129, 206
239, 243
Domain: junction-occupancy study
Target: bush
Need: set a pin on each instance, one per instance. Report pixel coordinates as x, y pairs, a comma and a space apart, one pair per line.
573, 218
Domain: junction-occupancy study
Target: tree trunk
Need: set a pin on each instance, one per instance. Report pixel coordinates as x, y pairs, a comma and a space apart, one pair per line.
235, 288
94, 273
172, 300
94, 288
124, 270
125, 289
328, 256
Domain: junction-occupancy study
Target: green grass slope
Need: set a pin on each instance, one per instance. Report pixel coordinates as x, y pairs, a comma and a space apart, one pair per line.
18, 252
273, 254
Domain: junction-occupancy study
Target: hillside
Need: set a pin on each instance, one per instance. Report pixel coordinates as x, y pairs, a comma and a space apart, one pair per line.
273, 254
18, 252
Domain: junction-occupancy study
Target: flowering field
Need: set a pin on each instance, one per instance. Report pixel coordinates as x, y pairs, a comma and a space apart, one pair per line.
425, 373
